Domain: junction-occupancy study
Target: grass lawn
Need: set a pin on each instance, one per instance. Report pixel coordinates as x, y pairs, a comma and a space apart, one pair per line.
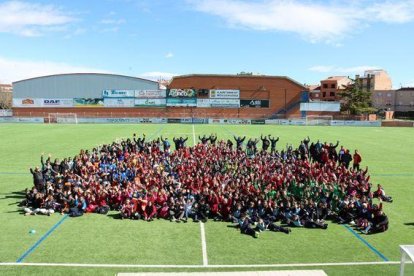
99, 239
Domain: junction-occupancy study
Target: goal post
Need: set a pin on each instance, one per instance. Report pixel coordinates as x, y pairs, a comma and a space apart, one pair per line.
319, 120
407, 256
63, 118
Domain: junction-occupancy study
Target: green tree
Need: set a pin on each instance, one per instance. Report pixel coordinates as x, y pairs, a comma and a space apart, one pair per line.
356, 101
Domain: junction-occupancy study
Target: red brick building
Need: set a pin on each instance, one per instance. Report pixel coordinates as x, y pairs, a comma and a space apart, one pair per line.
282, 93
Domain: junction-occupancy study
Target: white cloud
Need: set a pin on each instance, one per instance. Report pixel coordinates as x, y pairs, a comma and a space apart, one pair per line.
29, 19
169, 55
392, 11
76, 32
315, 21
342, 70
157, 75
15, 70
113, 21
110, 30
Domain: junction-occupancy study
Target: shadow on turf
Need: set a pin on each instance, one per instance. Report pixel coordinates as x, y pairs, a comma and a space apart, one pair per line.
409, 223
114, 216
14, 195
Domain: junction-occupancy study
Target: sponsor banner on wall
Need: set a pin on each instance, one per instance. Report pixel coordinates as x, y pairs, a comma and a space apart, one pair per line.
272, 122
200, 121
122, 120
363, 123
173, 121
225, 103
224, 94
88, 102
57, 102
150, 102
181, 102
6, 113
22, 120
229, 121
298, 122
258, 122
118, 102
236, 121
118, 93
153, 120
181, 93
215, 121
194, 121
150, 94
27, 102
254, 103
203, 103
337, 123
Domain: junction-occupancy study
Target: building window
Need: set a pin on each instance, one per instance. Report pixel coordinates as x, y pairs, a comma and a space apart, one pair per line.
332, 94
379, 94
388, 94
325, 85
333, 85
323, 94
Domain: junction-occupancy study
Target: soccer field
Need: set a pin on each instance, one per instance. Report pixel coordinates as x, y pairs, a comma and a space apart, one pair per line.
94, 240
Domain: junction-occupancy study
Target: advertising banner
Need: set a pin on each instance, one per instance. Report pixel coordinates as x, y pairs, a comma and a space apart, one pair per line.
237, 121
118, 93
150, 94
203, 103
182, 102
296, 122
181, 93
255, 103
272, 122
22, 120
57, 102
215, 121
258, 122
363, 123
224, 94
225, 103
118, 102
173, 121
88, 102
150, 102
122, 120
27, 102
193, 121
6, 113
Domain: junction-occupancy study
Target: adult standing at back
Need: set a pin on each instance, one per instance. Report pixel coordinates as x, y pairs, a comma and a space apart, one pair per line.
357, 160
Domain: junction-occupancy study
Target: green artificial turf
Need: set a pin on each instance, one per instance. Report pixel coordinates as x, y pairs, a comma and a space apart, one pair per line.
388, 152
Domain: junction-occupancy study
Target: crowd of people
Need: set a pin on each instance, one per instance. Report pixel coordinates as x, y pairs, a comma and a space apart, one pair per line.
255, 189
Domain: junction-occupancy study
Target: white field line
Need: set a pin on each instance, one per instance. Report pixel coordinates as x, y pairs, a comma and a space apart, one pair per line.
199, 266
203, 244
202, 230
194, 136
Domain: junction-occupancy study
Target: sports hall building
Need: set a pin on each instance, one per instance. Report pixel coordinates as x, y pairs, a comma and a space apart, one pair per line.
187, 96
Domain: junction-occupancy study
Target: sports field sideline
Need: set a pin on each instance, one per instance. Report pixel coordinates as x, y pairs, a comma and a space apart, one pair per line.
99, 244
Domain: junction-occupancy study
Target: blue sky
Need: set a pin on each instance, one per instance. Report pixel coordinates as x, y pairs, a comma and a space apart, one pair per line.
306, 40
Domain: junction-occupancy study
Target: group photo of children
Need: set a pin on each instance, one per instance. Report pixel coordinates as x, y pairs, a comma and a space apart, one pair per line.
254, 184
